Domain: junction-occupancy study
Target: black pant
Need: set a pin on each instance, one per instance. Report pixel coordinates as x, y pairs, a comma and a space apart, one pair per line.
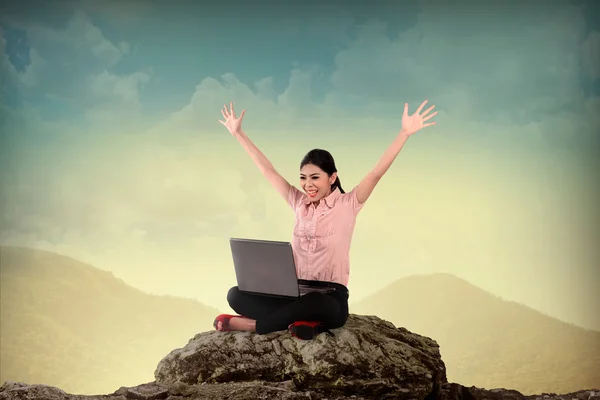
276, 314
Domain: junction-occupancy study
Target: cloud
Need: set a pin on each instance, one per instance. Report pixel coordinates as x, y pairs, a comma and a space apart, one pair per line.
80, 38
264, 88
115, 98
118, 13
590, 56
298, 94
504, 62
60, 180
108, 187
7, 69
202, 112
504, 74
72, 66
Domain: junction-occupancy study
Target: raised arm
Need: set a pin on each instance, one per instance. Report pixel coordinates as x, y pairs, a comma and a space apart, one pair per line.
410, 125
234, 126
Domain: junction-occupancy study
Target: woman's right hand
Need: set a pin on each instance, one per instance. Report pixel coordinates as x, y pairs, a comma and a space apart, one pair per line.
233, 124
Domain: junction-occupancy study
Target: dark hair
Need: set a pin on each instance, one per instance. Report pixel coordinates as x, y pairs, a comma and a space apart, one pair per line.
324, 160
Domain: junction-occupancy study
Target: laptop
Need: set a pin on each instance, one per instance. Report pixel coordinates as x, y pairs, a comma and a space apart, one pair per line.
267, 268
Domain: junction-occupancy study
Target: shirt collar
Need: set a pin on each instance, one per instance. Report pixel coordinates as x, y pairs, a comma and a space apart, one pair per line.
329, 200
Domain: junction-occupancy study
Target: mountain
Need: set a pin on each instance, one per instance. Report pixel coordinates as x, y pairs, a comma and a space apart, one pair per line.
67, 324
487, 341
70, 325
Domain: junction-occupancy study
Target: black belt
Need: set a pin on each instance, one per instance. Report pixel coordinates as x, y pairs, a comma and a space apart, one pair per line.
323, 284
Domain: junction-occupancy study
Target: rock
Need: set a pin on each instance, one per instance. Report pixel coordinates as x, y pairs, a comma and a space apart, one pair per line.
454, 391
267, 391
367, 357
22, 391
146, 391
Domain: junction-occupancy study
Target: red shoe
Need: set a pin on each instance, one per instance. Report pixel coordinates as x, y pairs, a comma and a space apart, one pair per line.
308, 330
224, 320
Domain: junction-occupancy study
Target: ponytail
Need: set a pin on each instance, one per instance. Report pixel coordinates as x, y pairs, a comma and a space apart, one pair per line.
337, 184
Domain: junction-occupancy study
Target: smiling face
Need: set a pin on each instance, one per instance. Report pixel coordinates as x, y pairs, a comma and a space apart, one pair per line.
315, 182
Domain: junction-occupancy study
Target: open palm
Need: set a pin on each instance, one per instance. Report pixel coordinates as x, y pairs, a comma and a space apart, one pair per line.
416, 122
233, 124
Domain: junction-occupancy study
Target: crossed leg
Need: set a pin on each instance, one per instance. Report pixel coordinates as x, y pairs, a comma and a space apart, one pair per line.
264, 314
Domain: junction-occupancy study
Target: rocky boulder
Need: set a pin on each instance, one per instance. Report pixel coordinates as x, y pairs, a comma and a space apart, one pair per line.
368, 356
263, 390
367, 359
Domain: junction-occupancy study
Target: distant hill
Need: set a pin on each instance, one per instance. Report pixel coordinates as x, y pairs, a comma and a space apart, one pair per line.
70, 325
489, 342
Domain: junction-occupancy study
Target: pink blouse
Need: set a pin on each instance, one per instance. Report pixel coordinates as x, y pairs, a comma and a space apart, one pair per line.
322, 235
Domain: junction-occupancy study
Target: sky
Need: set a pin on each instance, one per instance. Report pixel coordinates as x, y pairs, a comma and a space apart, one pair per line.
111, 153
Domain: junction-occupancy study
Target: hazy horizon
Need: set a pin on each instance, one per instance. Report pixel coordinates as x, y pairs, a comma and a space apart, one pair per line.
353, 302
111, 153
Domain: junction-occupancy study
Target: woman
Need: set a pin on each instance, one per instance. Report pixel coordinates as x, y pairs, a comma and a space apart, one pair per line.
325, 219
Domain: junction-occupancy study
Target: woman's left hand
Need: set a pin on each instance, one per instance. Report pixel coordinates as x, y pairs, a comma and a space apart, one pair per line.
416, 122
